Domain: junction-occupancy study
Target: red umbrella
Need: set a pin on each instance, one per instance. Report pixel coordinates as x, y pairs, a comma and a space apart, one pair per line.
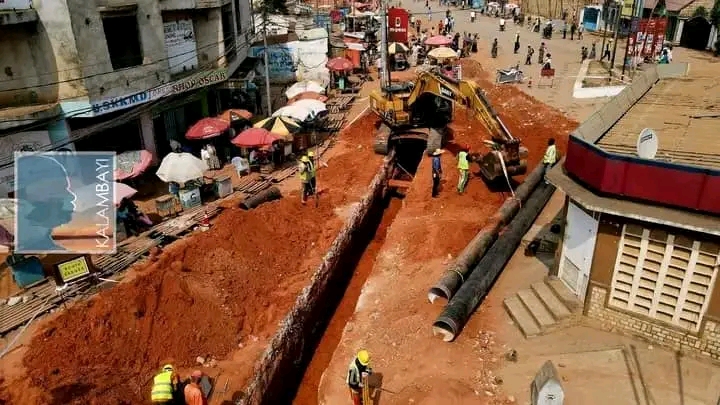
207, 128
340, 64
438, 40
255, 137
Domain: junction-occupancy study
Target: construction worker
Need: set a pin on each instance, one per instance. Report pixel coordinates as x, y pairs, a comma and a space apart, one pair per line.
463, 168
193, 393
358, 366
436, 172
304, 169
164, 386
313, 171
551, 156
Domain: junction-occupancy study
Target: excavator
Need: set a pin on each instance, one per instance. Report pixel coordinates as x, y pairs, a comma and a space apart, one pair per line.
422, 110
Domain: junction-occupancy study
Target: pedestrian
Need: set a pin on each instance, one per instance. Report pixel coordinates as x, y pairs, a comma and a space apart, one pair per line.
463, 169
564, 30
313, 171
541, 52
606, 53
580, 31
528, 57
593, 51
359, 365
429, 13
573, 28
517, 42
304, 173
583, 54
550, 157
494, 49
418, 24
436, 172
193, 393
164, 386
472, 16
548, 62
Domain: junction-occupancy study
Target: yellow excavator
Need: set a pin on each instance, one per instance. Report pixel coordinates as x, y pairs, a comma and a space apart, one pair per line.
423, 109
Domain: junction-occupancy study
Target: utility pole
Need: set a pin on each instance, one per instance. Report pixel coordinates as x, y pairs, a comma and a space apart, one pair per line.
385, 73
606, 14
618, 10
266, 60
631, 32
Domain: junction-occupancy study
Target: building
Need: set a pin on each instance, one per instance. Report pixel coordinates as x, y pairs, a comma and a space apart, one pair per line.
641, 245
113, 74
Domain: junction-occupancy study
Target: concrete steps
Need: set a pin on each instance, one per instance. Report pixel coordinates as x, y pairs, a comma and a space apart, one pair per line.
542, 308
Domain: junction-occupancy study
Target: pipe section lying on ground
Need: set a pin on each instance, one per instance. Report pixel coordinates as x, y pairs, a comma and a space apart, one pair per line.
281, 365
461, 268
272, 193
463, 304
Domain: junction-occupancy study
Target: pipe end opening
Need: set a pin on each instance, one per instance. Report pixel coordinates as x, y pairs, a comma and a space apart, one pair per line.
444, 331
438, 292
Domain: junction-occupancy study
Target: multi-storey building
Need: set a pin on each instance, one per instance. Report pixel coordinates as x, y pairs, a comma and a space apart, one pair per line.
113, 74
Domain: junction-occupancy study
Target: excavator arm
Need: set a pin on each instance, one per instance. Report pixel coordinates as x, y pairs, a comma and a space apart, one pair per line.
465, 93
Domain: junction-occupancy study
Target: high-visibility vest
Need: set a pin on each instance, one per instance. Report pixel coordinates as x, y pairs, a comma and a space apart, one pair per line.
311, 168
353, 377
462, 161
304, 172
550, 155
162, 389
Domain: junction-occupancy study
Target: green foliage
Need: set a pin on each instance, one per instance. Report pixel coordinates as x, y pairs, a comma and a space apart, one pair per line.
700, 11
273, 6
715, 14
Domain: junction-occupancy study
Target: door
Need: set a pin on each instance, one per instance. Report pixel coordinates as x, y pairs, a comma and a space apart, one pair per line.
578, 248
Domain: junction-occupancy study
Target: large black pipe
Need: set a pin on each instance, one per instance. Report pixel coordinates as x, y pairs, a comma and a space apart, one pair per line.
460, 269
273, 193
456, 313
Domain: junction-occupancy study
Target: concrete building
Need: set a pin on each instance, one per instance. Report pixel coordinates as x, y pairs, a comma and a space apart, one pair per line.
113, 74
641, 244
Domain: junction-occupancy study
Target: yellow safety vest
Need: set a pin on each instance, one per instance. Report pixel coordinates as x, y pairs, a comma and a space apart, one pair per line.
550, 155
162, 389
304, 172
462, 161
311, 168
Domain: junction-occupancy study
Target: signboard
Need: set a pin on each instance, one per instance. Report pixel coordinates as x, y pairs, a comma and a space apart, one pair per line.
120, 103
294, 59
647, 40
627, 8
180, 45
73, 270
15, 4
398, 19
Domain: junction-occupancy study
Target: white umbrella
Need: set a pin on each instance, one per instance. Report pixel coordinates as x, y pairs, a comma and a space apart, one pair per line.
304, 86
181, 168
300, 113
316, 106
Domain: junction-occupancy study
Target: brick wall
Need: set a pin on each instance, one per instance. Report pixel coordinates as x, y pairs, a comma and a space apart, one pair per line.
706, 343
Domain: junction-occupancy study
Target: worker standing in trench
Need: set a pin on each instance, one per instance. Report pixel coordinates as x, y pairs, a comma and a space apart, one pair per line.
436, 172
359, 365
313, 171
165, 386
463, 169
304, 170
551, 156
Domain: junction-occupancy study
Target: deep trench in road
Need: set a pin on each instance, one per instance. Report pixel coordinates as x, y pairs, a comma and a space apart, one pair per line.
407, 159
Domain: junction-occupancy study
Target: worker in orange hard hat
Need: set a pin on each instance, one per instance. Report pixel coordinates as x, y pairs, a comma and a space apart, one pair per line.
193, 393
359, 365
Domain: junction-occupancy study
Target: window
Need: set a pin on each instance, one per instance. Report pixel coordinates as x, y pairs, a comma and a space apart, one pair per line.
238, 17
664, 276
228, 31
123, 39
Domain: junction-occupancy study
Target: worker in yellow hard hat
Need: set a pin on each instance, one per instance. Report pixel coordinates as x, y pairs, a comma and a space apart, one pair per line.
359, 365
313, 171
164, 385
305, 172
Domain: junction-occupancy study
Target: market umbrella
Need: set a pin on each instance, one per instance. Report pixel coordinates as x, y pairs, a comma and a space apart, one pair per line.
340, 64
181, 168
311, 95
207, 128
313, 105
234, 115
396, 47
132, 163
304, 86
281, 126
255, 137
440, 40
442, 53
123, 191
299, 113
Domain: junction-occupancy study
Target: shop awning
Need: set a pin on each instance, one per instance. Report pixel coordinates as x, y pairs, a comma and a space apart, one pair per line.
691, 221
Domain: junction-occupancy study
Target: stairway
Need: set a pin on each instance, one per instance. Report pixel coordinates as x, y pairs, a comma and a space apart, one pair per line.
545, 306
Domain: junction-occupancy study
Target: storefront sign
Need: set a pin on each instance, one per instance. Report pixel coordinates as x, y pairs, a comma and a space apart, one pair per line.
180, 45
120, 103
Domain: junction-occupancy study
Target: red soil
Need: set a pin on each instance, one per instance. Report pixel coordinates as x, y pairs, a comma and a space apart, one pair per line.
202, 296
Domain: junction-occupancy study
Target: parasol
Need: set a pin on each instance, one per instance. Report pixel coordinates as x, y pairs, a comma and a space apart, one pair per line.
396, 47
234, 115
438, 40
123, 191
442, 53
340, 64
297, 112
132, 163
207, 128
181, 168
280, 126
304, 86
313, 105
311, 95
255, 137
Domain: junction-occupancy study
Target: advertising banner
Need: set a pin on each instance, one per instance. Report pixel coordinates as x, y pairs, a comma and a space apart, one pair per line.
647, 38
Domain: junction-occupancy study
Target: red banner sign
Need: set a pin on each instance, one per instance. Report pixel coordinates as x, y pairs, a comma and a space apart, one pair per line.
647, 40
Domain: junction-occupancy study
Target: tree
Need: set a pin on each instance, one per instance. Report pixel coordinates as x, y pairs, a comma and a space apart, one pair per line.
273, 6
715, 14
700, 11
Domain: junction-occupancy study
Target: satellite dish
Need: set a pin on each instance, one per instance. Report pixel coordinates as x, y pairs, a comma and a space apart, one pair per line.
647, 144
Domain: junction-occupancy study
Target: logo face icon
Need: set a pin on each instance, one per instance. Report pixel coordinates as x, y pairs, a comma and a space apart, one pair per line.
65, 202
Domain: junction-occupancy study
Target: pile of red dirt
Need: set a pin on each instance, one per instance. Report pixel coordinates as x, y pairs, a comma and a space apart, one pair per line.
201, 297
